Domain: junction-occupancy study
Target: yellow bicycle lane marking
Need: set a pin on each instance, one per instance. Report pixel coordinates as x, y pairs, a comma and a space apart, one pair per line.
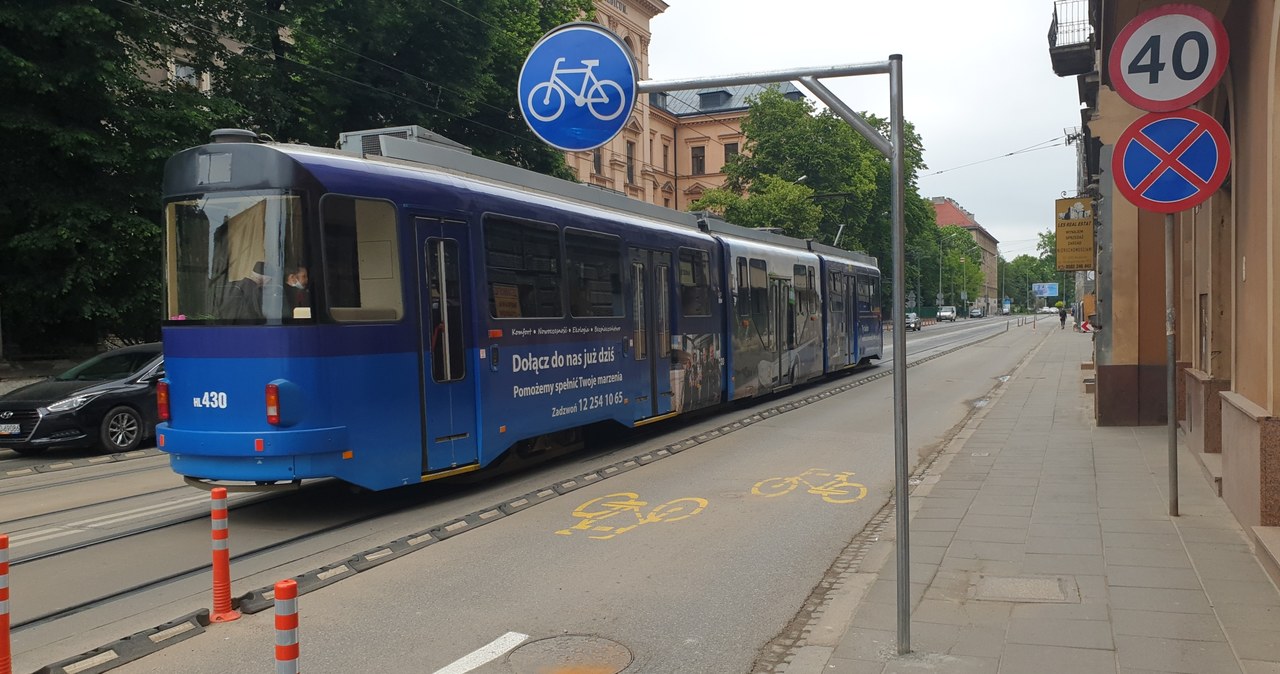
837, 489
610, 510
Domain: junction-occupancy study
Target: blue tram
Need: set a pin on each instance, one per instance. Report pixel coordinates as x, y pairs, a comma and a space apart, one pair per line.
403, 310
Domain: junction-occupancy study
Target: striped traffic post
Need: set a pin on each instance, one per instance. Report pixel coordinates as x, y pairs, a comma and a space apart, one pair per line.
286, 598
222, 611
6, 655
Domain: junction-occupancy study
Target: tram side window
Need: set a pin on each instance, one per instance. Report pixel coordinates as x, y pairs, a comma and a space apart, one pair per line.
595, 263
523, 261
362, 260
836, 294
760, 301
864, 297
743, 300
695, 282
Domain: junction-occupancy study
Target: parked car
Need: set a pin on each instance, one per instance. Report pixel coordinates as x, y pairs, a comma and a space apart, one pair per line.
108, 401
1048, 310
975, 313
913, 322
947, 314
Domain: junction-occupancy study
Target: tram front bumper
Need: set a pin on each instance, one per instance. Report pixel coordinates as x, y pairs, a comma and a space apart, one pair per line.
255, 457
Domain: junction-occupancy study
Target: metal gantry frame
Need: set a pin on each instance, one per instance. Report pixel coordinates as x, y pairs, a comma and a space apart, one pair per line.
894, 149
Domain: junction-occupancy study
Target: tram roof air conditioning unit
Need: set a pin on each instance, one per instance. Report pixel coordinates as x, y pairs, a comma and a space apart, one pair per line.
366, 142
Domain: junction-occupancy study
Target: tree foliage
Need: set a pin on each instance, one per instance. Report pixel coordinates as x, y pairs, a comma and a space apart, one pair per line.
92, 112
87, 135
791, 149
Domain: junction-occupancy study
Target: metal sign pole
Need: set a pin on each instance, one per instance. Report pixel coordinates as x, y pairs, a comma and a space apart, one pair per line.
1172, 365
901, 511
895, 149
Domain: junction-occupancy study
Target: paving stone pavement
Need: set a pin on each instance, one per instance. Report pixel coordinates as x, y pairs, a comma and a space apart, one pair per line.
1040, 542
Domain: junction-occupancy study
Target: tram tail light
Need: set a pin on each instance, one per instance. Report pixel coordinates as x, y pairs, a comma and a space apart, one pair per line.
273, 404
162, 400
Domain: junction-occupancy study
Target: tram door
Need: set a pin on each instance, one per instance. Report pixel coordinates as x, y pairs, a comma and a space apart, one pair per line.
783, 310
448, 384
852, 321
651, 337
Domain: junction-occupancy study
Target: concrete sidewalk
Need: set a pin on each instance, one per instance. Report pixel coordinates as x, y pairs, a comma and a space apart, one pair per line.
1042, 543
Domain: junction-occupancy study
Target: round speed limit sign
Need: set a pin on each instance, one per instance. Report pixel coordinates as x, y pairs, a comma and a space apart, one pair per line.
1169, 57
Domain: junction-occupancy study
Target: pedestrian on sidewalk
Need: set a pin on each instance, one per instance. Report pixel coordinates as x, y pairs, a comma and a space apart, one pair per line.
1062, 317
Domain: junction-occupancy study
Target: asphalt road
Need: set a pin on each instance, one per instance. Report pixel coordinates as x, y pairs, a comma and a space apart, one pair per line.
752, 536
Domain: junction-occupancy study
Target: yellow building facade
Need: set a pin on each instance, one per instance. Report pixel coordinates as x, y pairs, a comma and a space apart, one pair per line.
1227, 252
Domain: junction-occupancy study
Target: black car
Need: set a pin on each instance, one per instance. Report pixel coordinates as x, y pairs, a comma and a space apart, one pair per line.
913, 322
108, 401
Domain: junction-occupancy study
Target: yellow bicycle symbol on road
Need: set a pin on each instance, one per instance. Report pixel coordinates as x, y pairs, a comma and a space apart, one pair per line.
597, 510
836, 490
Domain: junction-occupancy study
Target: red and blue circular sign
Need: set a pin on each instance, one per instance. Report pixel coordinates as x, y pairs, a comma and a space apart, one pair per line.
1171, 161
1168, 57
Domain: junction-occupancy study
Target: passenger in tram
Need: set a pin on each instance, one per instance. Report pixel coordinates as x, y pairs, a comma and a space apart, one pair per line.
297, 291
243, 300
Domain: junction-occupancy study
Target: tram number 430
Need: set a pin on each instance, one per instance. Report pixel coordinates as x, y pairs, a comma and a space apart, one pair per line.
216, 399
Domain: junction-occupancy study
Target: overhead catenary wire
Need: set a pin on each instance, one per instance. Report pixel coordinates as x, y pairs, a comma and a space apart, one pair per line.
1044, 145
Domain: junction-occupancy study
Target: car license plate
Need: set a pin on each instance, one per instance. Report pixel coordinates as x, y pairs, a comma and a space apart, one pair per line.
10, 429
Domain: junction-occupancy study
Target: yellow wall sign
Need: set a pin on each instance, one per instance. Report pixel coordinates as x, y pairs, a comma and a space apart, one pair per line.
1074, 233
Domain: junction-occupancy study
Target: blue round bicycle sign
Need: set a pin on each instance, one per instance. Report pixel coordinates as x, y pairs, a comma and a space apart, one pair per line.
578, 87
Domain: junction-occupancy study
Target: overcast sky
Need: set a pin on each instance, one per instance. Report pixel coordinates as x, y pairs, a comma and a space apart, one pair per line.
977, 84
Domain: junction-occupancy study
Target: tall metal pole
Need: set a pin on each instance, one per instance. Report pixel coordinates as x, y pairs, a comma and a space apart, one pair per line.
939, 271
902, 512
1172, 364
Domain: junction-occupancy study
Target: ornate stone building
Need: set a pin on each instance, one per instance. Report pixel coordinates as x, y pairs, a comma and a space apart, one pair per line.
674, 147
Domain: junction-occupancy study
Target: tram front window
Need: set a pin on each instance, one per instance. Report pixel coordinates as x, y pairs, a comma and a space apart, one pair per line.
236, 257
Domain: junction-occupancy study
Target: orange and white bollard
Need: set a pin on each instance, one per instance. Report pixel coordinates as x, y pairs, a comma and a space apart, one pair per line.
6, 655
286, 595
222, 611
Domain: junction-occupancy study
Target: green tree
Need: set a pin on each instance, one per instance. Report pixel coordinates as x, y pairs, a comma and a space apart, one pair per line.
89, 106
79, 214
788, 142
350, 66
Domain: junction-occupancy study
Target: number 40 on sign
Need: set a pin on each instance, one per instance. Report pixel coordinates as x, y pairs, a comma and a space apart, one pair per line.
1169, 57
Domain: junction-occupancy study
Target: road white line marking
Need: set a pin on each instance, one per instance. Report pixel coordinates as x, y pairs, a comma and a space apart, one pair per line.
485, 654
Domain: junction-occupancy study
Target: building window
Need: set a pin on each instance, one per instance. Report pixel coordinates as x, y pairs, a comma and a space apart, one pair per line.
699, 161
597, 162
186, 75
631, 163
666, 202
730, 151
666, 149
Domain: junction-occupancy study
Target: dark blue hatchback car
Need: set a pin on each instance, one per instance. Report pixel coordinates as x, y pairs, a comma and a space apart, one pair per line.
108, 401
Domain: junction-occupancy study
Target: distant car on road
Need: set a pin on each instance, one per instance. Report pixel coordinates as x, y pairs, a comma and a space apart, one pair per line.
1048, 310
975, 313
108, 401
913, 322
947, 314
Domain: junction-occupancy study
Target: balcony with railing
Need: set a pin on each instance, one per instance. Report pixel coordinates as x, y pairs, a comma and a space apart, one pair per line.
1071, 38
